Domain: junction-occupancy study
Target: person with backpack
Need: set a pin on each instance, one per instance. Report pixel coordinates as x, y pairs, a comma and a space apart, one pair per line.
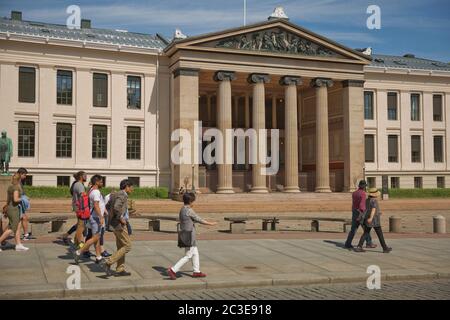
77, 189
186, 238
118, 208
96, 219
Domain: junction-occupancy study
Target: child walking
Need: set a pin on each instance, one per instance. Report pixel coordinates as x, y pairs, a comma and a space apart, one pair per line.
188, 218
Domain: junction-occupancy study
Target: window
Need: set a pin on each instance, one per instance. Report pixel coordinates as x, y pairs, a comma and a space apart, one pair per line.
437, 107
63, 181
440, 182
415, 107
99, 142
368, 105
133, 143
395, 182
135, 181
27, 84
369, 147
100, 90
392, 148
26, 139
438, 143
418, 182
371, 182
28, 181
64, 87
392, 106
415, 149
63, 140
134, 92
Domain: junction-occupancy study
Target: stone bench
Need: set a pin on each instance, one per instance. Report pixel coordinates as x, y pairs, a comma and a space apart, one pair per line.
154, 223
42, 225
238, 224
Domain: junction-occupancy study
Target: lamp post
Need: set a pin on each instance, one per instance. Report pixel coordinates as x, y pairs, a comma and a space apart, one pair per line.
193, 183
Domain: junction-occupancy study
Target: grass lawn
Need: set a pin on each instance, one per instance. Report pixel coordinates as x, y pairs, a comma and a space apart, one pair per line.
419, 193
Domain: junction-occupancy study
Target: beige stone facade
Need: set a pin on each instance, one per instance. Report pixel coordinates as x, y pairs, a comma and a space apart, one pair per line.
316, 100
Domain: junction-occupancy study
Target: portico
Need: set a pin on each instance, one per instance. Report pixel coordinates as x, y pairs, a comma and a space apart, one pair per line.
272, 75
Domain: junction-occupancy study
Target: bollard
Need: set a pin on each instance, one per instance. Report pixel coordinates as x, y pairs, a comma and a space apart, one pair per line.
395, 224
439, 224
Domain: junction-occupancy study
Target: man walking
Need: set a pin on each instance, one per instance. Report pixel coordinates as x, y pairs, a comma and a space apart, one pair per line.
118, 207
358, 210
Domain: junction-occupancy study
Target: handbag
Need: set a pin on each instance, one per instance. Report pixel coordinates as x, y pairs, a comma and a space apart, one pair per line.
184, 238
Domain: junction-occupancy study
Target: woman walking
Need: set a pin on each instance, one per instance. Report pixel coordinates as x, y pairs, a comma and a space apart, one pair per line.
372, 220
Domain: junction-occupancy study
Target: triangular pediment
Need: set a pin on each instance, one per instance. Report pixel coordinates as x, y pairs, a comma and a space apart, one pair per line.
277, 37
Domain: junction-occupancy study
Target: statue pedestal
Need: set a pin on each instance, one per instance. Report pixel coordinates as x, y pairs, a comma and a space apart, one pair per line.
5, 181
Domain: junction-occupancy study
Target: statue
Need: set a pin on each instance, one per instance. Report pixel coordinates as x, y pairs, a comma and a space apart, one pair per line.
6, 150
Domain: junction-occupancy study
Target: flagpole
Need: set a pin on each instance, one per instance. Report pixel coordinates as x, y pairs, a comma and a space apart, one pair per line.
245, 12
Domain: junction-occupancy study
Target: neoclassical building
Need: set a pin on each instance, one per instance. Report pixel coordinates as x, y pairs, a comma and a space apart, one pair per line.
107, 101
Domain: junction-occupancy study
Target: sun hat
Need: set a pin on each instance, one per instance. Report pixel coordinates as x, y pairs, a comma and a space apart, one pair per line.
373, 192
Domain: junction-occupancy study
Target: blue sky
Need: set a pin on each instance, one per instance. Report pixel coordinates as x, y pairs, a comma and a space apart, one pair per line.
421, 27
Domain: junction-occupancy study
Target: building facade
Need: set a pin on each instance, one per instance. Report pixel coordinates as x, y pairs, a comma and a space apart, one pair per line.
107, 101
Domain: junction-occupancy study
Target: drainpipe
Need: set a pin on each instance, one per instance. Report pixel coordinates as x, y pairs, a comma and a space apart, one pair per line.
157, 118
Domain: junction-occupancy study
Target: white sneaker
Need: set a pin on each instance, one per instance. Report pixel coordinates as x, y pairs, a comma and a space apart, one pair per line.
21, 247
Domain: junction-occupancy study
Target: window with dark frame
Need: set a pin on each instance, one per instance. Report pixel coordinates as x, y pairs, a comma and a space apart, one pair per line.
440, 182
369, 146
133, 143
99, 142
418, 182
64, 87
26, 143
63, 181
371, 182
392, 148
368, 105
392, 106
63, 140
438, 148
27, 84
28, 181
415, 107
135, 181
395, 182
437, 107
133, 92
416, 149
100, 90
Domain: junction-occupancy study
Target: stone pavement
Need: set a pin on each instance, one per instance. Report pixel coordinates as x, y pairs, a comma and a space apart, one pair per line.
41, 272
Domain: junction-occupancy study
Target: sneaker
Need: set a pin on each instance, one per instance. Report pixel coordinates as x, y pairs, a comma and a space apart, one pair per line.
87, 254
21, 247
122, 274
1, 250
26, 237
98, 261
371, 246
359, 249
198, 275
387, 250
77, 257
106, 254
172, 275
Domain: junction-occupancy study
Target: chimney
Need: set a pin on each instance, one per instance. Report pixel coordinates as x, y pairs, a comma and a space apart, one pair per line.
16, 15
85, 24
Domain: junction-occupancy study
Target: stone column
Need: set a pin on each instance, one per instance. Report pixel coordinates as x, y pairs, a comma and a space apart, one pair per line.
322, 149
258, 81
274, 111
224, 120
353, 111
247, 125
291, 133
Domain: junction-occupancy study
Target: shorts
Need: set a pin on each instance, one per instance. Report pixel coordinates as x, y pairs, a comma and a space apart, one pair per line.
14, 217
95, 225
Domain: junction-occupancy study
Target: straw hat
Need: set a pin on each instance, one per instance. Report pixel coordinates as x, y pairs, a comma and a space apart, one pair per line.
373, 192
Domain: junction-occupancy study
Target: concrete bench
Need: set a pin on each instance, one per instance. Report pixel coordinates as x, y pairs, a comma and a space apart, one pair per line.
42, 225
237, 224
154, 223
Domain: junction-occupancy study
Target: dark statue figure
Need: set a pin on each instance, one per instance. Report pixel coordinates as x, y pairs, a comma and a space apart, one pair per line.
6, 150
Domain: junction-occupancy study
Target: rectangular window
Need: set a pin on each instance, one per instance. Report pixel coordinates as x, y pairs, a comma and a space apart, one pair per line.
369, 146
392, 106
100, 90
63, 181
438, 146
26, 139
418, 183
440, 182
64, 87
28, 181
395, 182
27, 84
368, 105
371, 182
393, 148
135, 181
63, 140
415, 107
133, 143
415, 149
99, 142
133, 92
437, 107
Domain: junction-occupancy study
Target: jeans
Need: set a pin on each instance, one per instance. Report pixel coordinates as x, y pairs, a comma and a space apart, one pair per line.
379, 233
355, 225
191, 253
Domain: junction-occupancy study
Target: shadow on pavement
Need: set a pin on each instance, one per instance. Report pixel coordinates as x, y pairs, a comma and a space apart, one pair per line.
336, 243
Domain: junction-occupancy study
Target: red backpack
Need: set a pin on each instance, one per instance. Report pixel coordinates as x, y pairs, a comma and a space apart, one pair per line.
83, 209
